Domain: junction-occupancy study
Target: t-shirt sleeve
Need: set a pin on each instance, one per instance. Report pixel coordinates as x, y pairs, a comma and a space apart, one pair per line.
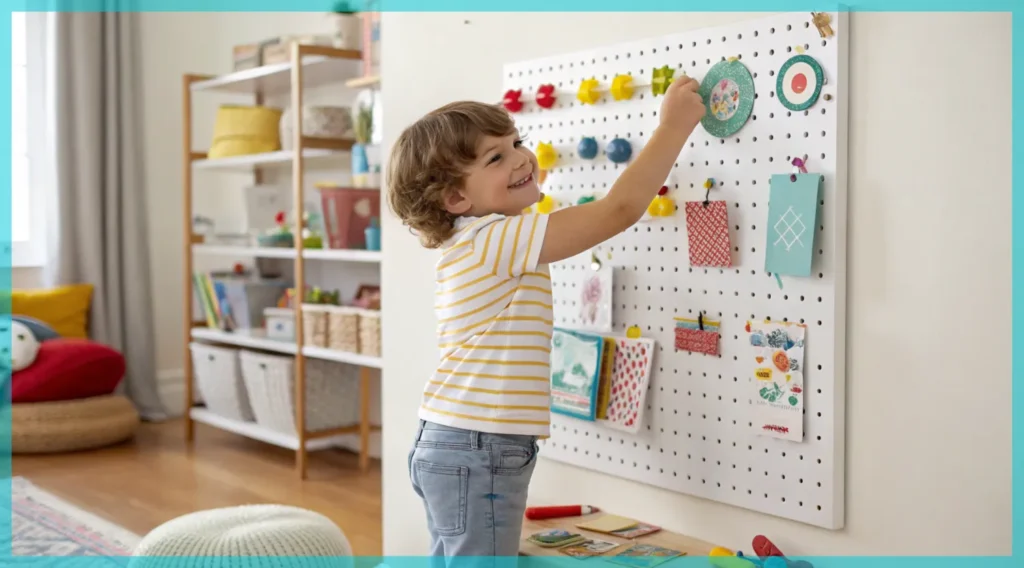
510, 246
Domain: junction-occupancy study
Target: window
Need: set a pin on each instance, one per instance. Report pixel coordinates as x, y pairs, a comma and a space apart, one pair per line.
29, 150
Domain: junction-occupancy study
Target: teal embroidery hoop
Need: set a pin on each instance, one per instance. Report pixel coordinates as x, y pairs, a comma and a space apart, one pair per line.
819, 80
738, 73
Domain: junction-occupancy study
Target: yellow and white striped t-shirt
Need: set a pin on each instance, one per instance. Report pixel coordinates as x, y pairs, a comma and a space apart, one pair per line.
494, 313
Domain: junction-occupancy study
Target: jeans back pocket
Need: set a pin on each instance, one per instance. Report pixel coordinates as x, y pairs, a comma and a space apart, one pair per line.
445, 490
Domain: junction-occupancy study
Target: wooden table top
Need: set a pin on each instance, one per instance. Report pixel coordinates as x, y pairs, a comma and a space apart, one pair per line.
664, 538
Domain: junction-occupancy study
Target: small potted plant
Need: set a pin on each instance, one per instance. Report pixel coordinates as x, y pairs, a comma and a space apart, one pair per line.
363, 131
347, 25
281, 237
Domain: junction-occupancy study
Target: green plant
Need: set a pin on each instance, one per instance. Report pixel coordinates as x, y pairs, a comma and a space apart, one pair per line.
364, 125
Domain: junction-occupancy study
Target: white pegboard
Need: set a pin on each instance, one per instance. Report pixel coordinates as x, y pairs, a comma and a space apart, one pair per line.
697, 436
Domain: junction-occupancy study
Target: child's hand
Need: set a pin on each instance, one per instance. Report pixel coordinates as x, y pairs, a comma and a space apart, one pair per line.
682, 107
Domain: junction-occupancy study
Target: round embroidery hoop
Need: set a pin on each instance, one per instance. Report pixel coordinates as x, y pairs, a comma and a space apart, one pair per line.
799, 82
726, 79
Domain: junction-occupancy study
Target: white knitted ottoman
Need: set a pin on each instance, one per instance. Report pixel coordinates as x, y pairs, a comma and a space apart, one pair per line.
264, 536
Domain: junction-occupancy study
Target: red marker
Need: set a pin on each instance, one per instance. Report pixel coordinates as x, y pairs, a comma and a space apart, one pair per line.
556, 511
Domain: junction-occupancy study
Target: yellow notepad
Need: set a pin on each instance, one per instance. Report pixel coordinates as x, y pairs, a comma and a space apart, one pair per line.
604, 390
607, 524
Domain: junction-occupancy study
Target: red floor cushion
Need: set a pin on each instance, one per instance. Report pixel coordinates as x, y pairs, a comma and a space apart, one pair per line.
68, 369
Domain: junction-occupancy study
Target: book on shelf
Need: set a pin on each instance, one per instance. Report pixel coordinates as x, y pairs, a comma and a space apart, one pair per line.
213, 297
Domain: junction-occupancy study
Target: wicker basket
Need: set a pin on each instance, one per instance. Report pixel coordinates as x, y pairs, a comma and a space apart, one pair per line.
314, 325
220, 381
243, 130
343, 328
332, 394
327, 122
369, 332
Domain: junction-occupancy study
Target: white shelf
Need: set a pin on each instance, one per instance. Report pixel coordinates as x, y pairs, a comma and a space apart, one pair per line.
341, 356
282, 157
317, 70
257, 432
251, 338
257, 339
340, 255
363, 82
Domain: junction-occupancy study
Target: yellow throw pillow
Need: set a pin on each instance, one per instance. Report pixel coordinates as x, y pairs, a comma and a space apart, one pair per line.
64, 308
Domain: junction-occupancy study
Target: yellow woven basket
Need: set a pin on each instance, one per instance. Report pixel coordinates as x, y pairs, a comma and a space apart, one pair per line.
243, 130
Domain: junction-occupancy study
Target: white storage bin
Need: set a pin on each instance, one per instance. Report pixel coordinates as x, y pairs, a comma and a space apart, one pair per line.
314, 325
343, 328
332, 392
220, 383
280, 323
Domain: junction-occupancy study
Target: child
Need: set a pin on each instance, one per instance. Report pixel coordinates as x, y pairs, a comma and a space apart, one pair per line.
461, 178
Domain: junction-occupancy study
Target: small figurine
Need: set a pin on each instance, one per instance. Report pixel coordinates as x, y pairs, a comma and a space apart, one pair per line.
587, 148
622, 87
661, 79
619, 150
588, 93
546, 155
511, 100
662, 205
822, 21
546, 96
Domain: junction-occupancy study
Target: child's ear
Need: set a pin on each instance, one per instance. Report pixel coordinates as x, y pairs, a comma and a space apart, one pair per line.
456, 202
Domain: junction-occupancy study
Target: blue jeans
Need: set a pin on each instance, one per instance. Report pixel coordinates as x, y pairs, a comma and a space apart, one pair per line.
474, 488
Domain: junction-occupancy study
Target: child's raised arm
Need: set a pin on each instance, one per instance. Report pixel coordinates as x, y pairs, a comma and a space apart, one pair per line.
576, 229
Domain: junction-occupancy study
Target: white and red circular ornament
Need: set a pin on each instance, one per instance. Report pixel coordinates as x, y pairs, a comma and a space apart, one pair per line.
799, 82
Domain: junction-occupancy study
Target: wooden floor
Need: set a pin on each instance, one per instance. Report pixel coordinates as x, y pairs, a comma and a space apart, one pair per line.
156, 477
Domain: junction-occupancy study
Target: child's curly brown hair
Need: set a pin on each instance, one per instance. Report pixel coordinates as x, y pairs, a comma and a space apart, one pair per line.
430, 158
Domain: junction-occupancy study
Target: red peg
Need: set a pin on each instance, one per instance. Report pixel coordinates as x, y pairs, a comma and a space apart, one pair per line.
765, 548
546, 96
663, 190
512, 102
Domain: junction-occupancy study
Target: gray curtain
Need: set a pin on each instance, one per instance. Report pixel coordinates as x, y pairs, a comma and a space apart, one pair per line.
100, 207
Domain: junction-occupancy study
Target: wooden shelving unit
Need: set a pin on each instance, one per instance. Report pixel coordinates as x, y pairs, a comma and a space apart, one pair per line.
310, 66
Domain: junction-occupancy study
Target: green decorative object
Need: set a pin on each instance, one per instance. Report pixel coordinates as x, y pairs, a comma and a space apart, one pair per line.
728, 93
661, 78
799, 82
585, 199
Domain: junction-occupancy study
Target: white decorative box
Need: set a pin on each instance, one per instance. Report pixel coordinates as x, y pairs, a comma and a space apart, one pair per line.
280, 323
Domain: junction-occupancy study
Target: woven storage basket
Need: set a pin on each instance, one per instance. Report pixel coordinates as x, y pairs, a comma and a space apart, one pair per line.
343, 328
314, 325
219, 379
328, 122
369, 332
50, 427
243, 130
332, 394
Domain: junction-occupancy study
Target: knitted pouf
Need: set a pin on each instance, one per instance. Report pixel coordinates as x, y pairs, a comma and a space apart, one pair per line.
263, 536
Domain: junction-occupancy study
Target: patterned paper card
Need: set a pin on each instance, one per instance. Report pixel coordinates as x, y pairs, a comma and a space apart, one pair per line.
697, 336
777, 362
596, 290
630, 376
707, 228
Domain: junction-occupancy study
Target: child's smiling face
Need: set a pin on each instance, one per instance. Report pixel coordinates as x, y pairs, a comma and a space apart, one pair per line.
503, 179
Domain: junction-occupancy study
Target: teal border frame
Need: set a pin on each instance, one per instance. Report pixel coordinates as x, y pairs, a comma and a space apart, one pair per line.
1011, 7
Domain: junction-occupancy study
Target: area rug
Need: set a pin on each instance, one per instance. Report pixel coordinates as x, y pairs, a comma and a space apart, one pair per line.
46, 525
